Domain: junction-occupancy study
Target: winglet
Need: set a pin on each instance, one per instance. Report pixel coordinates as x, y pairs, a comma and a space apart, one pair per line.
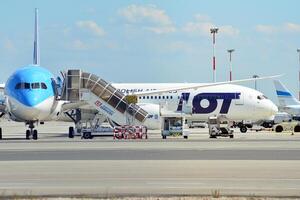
36, 50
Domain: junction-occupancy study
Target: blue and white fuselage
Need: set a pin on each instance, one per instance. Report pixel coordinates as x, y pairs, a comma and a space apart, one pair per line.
30, 93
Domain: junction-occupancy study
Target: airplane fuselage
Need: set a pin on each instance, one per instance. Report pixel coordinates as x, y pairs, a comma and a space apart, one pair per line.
234, 102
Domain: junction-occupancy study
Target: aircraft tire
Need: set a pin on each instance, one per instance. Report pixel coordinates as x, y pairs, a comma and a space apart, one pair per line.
278, 129
71, 132
297, 128
231, 136
164, 137
27, 134
35, 134
243, 129
0, 133
185, 137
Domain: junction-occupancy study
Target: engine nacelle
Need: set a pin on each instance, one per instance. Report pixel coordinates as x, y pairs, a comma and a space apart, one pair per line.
153, 120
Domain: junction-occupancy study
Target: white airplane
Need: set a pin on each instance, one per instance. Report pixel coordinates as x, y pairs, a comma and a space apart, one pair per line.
200, 101
31, 96
287, 102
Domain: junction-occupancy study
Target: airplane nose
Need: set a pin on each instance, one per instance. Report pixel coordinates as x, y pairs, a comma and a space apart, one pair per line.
273, 108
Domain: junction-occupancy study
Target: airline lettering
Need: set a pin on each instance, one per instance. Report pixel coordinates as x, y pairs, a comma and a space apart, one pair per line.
212, 102
103, 107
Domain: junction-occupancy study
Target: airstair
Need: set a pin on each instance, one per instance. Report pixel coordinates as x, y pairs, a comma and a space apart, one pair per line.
81, 86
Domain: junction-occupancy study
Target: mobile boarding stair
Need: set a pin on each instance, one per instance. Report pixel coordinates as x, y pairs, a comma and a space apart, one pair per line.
85, 88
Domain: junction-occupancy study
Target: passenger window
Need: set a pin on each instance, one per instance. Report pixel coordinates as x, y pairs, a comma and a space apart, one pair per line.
155, 97
167, 97
35, 85
147, 97
159, 97
163, 97
171, 97
18, 86
151, 97
43, 86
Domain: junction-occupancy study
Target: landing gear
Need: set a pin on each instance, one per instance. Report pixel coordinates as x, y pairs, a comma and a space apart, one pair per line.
71, 132
0, 133
243, 129
31, 132
27, 134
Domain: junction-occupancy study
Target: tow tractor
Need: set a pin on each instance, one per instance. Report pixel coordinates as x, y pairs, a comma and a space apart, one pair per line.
218, 129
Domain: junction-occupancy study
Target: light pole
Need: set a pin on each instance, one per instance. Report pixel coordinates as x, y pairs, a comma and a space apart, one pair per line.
230, 63
298, 50
214, 31
255, 84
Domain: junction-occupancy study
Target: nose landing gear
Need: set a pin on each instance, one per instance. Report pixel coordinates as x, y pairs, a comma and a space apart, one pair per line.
31, 132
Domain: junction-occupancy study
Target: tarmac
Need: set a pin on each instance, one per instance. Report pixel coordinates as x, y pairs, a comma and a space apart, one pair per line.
251, 164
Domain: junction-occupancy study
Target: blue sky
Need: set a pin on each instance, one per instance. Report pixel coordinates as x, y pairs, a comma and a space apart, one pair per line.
155, 41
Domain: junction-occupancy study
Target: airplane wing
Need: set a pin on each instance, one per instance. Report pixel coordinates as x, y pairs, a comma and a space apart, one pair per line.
157, 92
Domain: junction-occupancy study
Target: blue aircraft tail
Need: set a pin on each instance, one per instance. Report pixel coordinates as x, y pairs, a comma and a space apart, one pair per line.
285, 97
36, 48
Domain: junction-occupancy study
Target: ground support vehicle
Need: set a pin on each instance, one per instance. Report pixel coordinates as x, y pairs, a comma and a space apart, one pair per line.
292, 126
218, 128
173, 126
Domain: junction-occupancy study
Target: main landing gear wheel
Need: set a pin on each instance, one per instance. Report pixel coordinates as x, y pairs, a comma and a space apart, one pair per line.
35, 134
71, 132
0, 133
27, 134
243, 129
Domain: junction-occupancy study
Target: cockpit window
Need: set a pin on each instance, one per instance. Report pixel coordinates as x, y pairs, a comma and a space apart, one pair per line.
18, 86
261, 97
35, 85
43, 86
26, 85
32, 86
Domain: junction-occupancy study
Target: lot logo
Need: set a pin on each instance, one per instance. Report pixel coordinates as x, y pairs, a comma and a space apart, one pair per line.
212, 99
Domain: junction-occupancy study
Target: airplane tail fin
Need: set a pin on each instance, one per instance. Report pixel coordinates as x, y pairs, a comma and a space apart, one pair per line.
285, 97
36, 50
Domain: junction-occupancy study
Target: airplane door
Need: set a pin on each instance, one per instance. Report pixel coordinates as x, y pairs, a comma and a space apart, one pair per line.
239, 98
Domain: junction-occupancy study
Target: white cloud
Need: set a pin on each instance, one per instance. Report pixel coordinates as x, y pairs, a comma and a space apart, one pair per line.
266, 29
229, 30
283, 28
200, 17
292, 27
150, 17
91, 26
161, 30
202, 26
79, 45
